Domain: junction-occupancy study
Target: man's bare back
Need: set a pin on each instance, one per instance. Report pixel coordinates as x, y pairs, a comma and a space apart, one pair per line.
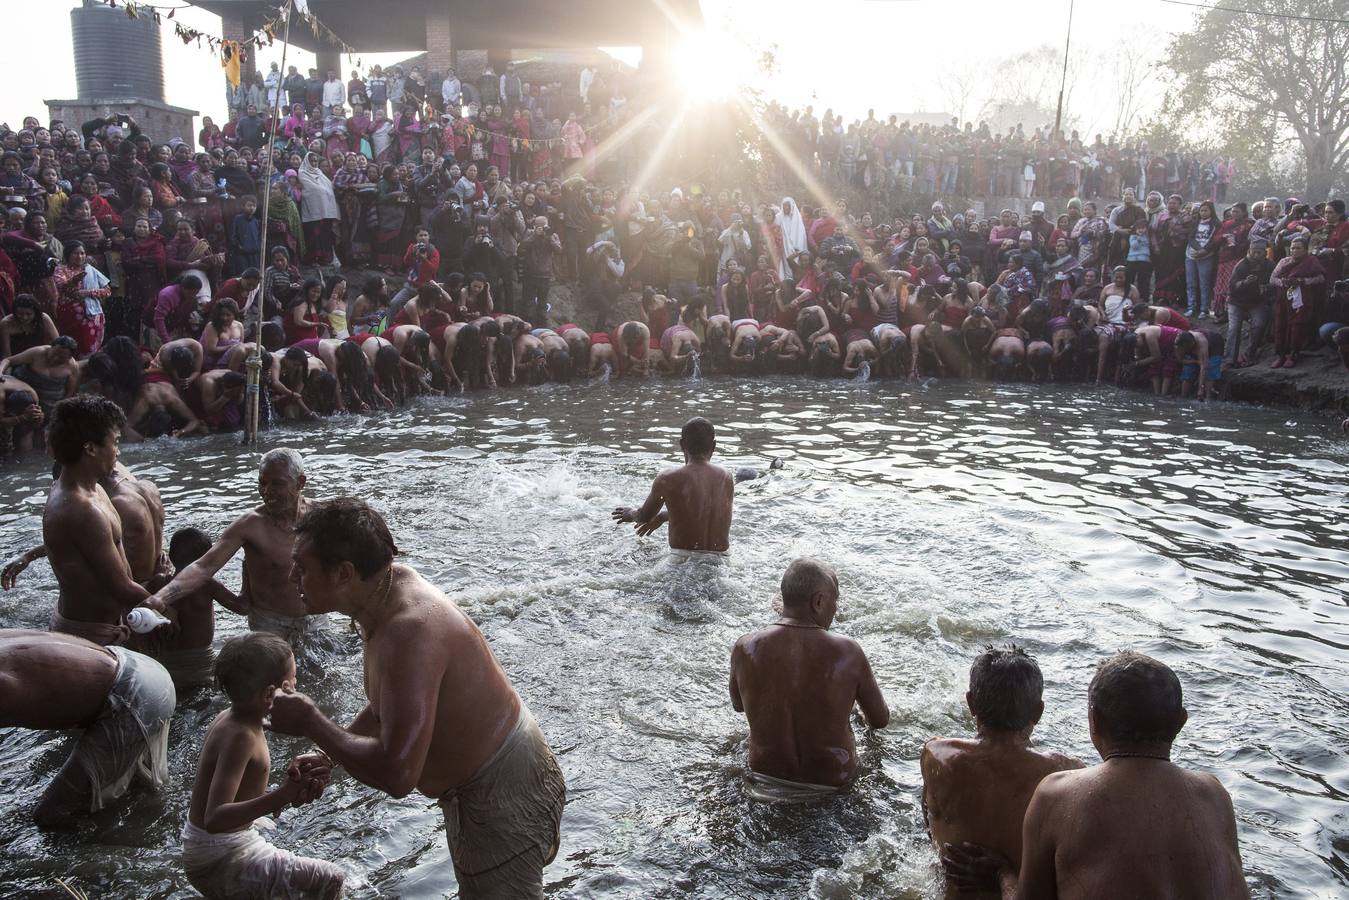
797, 684
1169, 833
697, 497
141, 514
52, 681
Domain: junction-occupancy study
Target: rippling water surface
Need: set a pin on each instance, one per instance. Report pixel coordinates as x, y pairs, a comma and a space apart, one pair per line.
1074, 523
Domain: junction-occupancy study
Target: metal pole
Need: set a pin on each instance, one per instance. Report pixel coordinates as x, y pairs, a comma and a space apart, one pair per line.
253, 396
1063, 81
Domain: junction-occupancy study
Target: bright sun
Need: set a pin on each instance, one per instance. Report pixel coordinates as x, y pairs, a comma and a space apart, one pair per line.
706, 65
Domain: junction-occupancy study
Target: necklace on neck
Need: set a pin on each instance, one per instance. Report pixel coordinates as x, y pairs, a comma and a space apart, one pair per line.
367, 633
790, 624
1125, 755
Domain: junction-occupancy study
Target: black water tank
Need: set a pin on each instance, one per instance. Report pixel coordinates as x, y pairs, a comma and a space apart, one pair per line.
116, 56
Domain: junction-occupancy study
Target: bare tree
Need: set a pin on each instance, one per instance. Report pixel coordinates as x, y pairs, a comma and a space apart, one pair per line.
1132, 75
962, 87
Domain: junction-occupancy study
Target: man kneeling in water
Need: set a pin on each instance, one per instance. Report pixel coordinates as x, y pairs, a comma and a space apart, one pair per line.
976, 791
121, 699
797, 683
1137, 825
697, 497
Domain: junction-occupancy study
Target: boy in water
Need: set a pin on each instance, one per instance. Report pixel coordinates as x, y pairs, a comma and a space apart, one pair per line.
222, 851
187, 654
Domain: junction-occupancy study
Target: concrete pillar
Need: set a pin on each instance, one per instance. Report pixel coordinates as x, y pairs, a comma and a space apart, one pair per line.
329, 59
439, 42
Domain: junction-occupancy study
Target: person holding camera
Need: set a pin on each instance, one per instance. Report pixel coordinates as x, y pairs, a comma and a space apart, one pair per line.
537, 252
421, 261
507, 229
607, 268
481, 253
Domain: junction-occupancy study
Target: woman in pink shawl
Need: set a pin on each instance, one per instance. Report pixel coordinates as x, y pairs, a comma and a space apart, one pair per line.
1301, 284
500, 153
409, 129
335, 134
573, 138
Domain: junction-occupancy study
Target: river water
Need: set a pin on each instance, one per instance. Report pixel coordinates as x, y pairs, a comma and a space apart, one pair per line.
1075, 523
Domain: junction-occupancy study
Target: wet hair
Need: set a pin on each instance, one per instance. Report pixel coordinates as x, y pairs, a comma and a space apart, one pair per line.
18, 401
295, 355
191, 282
225, 305
467, 358
1142, 312
354, 370
388, 371
698, 437
559, 366
347, 530
182, 362
803, 578
66, 342
1186, 341
320, 390
273, 336
79, 420
129, 372
491, 328
251, 662
631, 334
329, 285
1006, 688
187, 546
1137, 700
26, 301
286, 456
373, 285
420, 342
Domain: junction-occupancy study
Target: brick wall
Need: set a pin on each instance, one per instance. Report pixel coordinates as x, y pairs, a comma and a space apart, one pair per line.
439, 41
161, 122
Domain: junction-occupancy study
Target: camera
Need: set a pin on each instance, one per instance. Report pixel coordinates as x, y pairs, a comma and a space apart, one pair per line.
1342, 287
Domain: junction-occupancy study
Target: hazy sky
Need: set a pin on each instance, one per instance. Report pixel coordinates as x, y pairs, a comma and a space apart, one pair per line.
848, 54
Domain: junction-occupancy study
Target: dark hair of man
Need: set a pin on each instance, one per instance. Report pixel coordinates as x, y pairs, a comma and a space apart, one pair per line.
181, 361
295, 355
698, 437
803, 579
80, 420
251, 273
250, 662
1186, 341
231, 380
18, 401
347, 530
1005, 688
66, 342
1137, 700
632, 334
187, 546
191, 282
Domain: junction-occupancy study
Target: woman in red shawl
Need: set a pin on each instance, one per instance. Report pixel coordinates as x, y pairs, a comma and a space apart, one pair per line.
144, 260
79, 308
1327, 239
1232, 238
77, 223
99, 207
1301, 284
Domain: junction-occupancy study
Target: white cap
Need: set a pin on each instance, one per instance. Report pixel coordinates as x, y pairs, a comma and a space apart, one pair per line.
1037, 206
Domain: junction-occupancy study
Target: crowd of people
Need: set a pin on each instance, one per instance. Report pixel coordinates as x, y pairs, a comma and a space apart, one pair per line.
133, 627
145, 271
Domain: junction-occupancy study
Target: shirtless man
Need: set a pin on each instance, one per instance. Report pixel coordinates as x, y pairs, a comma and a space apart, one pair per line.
51, 371
745, 342
679, 344
783, 343
1169, 832
797, 684
976, 791
82, 531
160, 392
860, 351
890, 345
578, 345
696, 497
266, 536
121, 699
531, 363
442, 716
557, 355
632, 343
20, 412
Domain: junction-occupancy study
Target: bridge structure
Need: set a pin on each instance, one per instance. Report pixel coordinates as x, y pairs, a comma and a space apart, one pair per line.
441, 28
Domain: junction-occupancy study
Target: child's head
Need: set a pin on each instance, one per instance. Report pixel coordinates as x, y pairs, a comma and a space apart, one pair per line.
187, 546
253, 667
250, 204
1141, 226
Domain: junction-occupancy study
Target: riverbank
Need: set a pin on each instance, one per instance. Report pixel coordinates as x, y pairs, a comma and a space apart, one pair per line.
1319, 384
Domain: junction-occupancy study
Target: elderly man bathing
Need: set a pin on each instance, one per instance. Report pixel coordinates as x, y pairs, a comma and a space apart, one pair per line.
441, 718
266, 536
797, 684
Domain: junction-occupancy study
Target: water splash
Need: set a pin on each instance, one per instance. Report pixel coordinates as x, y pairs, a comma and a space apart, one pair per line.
697, 373
605, 375
864, 371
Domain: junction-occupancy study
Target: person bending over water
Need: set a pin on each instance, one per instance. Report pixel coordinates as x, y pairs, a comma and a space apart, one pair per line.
121, 699
696, 497
223, 854
796, 684
976, 791
1137, 825
266, 537
442, 717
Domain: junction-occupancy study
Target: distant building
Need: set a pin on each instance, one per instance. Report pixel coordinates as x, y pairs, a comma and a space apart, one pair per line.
119, 68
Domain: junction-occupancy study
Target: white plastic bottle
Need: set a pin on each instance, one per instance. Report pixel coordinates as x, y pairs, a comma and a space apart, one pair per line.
144, 620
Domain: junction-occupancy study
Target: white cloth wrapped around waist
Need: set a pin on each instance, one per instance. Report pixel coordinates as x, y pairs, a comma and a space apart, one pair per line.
130, 737
780, 790
710, 557
241, 864
292, 628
